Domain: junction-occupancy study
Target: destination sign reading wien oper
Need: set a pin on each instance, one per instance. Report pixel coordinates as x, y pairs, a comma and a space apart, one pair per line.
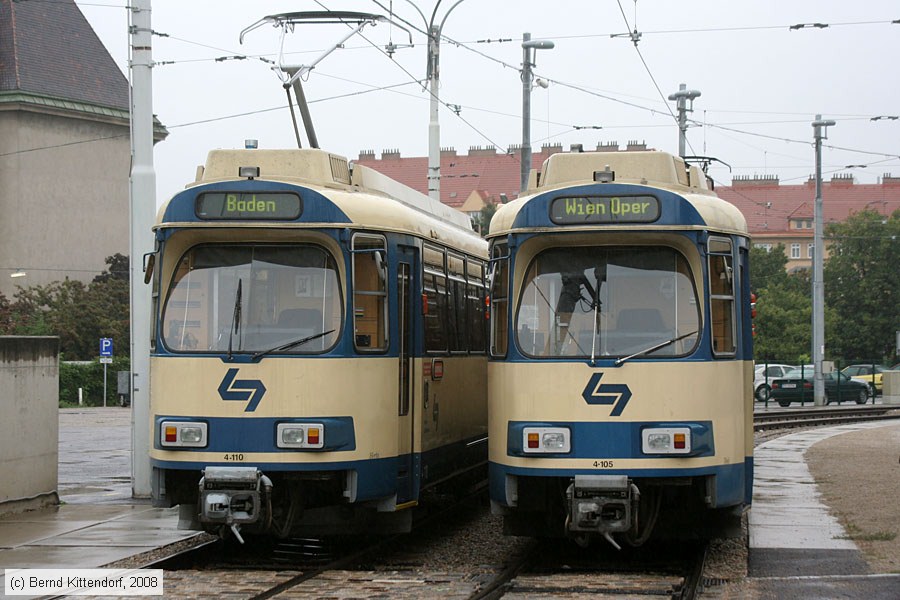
276, 206
582, 210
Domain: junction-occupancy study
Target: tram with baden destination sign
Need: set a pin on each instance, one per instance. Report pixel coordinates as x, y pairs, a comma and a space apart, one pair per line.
318, 356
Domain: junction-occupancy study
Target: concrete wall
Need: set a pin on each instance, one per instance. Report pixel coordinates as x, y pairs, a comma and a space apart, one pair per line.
29, 422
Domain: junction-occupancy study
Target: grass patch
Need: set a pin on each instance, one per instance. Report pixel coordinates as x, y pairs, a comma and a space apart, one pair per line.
856, 534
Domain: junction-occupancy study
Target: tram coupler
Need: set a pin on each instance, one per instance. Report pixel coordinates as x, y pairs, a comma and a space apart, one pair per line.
600, 504
231, 496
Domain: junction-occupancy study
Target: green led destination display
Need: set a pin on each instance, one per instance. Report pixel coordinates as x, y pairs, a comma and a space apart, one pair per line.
587, 210
241, 206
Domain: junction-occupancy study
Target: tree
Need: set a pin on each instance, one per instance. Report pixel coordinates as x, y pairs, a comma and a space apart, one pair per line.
483, 221
862, 286
767, 268
79, 314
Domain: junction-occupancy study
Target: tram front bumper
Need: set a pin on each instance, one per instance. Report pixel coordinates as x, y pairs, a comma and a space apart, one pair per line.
232, 495
599, 504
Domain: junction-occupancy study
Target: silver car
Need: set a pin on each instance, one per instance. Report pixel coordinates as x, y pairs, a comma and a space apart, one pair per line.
763, 376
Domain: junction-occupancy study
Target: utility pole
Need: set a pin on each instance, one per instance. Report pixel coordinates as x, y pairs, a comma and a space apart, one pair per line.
818, 283
143, 211
529, 47
682, 96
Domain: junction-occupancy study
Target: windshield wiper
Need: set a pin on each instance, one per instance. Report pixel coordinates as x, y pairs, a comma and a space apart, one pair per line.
290, 344
654, 348
235, 318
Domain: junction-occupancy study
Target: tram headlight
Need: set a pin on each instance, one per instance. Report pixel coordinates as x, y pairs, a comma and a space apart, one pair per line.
183, 434
666, 440
300, 435
546, 440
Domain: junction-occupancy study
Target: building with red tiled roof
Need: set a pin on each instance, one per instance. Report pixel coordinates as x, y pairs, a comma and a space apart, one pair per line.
775, 213
65, 148
783, 214
483, 168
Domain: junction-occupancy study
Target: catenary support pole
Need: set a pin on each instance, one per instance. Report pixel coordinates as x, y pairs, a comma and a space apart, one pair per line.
818, 283
143, 211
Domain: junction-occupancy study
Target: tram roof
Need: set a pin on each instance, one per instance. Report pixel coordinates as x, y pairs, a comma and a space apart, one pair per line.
651, 170
368, 198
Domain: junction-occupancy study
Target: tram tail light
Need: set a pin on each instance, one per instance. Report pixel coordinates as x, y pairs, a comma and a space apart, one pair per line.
183, 434
302, 436
546, 440
666, 440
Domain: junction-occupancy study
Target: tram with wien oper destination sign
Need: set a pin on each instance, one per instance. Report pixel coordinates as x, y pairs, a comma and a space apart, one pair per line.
620, 370
318, 358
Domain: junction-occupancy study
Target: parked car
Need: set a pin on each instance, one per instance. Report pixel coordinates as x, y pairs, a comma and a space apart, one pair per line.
763, 376
870, 374
797, 385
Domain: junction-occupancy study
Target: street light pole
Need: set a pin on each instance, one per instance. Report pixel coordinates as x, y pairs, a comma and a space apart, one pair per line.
528, 46
682, 96
434, 76
818, 320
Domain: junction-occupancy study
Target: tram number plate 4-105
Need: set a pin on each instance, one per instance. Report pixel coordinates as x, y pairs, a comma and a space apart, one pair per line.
603, 464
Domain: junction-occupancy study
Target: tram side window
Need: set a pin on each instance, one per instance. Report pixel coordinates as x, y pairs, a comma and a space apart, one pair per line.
475, 293
456, 315
499, 299
369, 292
721, 295
434, 298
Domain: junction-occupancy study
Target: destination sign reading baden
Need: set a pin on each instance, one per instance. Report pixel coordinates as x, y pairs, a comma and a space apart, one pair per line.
581, 210
242, 206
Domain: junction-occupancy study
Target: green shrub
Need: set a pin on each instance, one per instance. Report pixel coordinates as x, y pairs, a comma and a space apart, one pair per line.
89, 377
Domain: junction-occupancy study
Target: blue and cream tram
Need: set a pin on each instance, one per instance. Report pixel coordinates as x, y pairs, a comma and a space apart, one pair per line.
620, 370
319, 351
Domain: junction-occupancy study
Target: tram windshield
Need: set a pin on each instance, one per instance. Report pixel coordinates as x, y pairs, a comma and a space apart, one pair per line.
230, 299
601, 301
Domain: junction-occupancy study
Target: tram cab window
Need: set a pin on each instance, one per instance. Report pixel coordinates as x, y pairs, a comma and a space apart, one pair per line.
369, 293
721, 295
602, 301
499, 298
252, 298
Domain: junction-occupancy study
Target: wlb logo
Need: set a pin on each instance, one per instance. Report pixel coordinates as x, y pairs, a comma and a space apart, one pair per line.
242, 390
616, 394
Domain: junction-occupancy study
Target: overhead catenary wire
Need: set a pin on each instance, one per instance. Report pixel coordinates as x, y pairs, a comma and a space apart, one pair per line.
453, 107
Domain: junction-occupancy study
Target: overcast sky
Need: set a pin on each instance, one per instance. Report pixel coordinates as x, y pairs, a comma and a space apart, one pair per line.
762, 82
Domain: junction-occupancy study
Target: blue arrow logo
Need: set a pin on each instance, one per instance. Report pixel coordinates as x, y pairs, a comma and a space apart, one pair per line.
616, 394
242, 390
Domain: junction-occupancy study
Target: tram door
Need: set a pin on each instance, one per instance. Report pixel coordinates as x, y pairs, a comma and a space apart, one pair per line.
407, 481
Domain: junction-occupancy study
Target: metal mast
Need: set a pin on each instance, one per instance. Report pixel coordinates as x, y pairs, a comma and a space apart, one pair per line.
682, 96
818, 283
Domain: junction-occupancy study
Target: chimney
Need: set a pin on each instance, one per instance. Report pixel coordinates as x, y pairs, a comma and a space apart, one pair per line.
754, 181
366, 155
635, 146
479, 151
392, 153
449, 151
607, 146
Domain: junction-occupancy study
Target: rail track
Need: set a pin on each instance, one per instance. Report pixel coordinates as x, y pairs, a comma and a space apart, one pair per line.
561, 570
819, 417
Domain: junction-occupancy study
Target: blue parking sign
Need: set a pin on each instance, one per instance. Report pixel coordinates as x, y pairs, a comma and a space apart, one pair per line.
106, 347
